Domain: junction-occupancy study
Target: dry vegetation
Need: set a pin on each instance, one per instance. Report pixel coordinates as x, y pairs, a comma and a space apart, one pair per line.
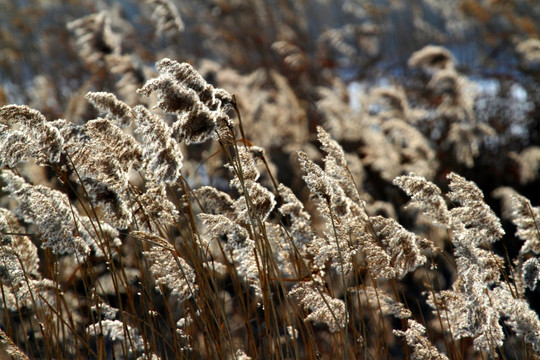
262, 179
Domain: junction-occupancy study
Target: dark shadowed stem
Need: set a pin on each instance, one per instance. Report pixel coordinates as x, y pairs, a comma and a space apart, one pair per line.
394, 284
271, 176
267, 267
359, 281
240, 125
237, 166
450, 346
300, 264
382, 345
110, 262
63, 323
197, 256
8, 317
231, 270
343, 280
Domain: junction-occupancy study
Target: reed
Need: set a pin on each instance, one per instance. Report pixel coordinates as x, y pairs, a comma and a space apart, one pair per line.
214, 211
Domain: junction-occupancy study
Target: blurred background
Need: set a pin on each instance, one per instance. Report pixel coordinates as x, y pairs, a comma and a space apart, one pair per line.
356, 40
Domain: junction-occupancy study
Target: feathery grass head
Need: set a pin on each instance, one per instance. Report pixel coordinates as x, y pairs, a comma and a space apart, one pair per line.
161, 153
432, 59
415, 336
168, 18
474, 214
199, 107
425, 196
168, 268
51, 211
95, 38
108, 102
323, 308
37, 139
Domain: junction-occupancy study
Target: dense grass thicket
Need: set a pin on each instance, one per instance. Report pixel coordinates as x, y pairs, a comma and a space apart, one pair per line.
267, 179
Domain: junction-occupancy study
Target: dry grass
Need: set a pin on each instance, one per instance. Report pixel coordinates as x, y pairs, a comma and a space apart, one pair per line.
252, 205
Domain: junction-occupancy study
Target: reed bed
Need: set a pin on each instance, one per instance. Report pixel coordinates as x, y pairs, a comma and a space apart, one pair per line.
258, 202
